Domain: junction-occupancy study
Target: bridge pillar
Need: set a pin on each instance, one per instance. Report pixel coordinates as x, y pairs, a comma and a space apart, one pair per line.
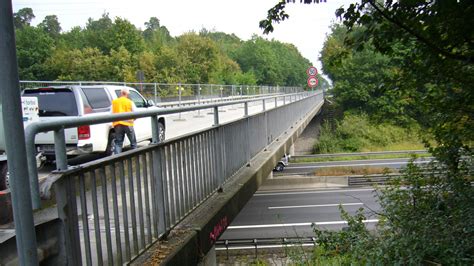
291, 151
270, 175
210, 258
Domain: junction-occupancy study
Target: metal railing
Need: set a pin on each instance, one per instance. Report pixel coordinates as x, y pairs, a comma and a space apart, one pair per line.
164, 92
124, 203
351, 154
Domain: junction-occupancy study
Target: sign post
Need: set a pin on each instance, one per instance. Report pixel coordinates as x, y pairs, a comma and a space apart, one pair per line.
312, 82
312, 71
312, 79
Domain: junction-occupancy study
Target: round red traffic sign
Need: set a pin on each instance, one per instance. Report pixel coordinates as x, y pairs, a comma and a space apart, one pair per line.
312, 71
312, 82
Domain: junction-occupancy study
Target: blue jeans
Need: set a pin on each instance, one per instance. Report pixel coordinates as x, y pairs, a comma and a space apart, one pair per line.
120, 131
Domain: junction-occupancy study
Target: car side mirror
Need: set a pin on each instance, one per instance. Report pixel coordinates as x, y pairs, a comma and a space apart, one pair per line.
150, 103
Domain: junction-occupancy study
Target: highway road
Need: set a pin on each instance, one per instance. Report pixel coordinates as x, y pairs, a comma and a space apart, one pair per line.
304, 168
291, 213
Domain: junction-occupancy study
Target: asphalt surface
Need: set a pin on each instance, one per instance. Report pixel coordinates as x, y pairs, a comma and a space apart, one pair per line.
291, 213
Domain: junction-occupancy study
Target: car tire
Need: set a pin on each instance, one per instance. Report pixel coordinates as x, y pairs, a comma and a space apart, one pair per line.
279, 167
110, 144
4, 175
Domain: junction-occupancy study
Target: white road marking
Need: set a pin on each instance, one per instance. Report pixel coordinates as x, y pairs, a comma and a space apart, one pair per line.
347, 165
312, 192
315, 206
294, 224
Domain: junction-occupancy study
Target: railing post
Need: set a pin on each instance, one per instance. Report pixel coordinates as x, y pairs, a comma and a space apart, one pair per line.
247, 147
156, 95
222, 157
219, 146
216, 116
67, 213
60, 149
155, 135
246, 109
276, 102
263, 105
284, 99
160, 193
15, 146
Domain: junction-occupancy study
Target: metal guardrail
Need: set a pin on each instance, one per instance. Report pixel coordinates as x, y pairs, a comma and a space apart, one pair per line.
126, 202
165, 92
368, 180
263, 243
213, 100
329, 155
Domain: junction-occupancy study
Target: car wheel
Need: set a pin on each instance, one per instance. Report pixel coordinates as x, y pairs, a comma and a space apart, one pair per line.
279, 167
161, 132
110, 144
4, 175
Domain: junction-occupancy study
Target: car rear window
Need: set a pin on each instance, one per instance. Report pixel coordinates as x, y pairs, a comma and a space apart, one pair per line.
54, 102
97, 97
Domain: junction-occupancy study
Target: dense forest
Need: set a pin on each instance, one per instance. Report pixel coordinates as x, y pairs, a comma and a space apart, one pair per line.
109, 49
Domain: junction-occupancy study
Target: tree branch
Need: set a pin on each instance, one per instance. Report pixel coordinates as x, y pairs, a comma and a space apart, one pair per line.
419, 37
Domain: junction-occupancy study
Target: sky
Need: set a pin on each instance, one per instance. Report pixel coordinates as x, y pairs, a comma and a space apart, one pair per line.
306, 28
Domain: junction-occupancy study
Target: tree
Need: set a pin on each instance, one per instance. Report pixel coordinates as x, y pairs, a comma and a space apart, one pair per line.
115, 49
156, 35
125, 34
364, 80
169, 66
34, 47
228, 43
256, 56
97, 33
74, 39
272, 62
23, 17
426, 38
51, 25
430, 45
80, 64
201, 56
122, 64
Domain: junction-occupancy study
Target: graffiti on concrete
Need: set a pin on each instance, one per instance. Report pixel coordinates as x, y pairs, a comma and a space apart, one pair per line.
218, 229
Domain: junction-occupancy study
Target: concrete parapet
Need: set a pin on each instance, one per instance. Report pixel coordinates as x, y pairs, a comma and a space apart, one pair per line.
304, 182
48, 235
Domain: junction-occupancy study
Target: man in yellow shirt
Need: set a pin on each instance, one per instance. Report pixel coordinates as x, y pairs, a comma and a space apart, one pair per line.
122, 105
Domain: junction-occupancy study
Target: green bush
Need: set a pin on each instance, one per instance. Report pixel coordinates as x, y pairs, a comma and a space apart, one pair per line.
423, 219
355, 132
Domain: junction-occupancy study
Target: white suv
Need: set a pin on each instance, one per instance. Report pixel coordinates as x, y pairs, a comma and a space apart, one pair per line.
72, 101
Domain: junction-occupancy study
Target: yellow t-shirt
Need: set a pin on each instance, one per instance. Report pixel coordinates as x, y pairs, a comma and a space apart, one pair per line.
122, 105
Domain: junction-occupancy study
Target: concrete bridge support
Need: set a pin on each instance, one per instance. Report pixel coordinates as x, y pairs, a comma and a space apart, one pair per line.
210, 258
291, 150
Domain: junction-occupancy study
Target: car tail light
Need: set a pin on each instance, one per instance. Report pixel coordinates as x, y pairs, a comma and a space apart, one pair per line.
84, 132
